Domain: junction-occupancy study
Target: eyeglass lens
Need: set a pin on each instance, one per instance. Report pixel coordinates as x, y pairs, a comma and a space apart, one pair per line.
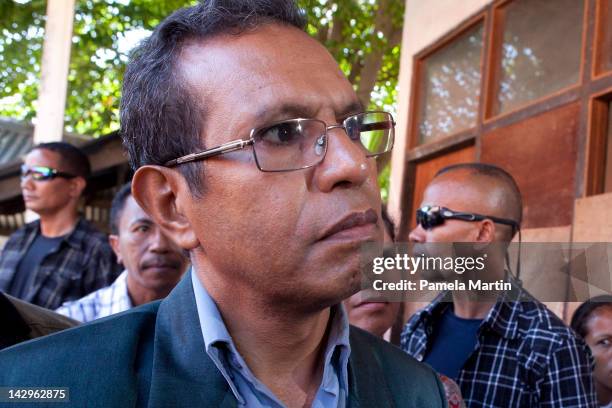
37, 172
302, 143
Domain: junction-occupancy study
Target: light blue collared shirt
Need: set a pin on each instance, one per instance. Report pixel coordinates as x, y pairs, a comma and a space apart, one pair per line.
251, 392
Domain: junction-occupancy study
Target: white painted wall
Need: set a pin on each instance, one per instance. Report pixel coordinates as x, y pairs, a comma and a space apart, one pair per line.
425, 21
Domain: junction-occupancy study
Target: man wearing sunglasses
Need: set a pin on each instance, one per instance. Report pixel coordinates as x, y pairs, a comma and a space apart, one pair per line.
60, 256
504, 349
254, 153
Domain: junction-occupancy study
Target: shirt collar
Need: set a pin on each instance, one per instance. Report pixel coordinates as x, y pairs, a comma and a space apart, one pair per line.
215, 333
74, 238
502, 318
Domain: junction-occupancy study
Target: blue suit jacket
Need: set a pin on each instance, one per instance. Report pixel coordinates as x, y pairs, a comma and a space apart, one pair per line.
154, 356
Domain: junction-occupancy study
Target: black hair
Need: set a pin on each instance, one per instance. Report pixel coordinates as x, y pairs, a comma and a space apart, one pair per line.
73, 160
389, 224
118, 205
160, 119
581, 316
505, 179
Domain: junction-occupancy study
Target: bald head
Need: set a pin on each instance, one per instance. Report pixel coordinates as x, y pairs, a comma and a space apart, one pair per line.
481, 188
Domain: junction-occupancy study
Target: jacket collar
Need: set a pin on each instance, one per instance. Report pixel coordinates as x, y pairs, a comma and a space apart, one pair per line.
183, 372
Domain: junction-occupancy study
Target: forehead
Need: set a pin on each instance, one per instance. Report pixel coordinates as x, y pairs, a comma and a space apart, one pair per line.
251, 74
43, 157
601, 320
462, 193
131, 212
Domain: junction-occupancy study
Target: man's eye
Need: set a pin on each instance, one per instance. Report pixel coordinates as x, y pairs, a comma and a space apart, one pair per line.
142, 228
281, 134
604, 342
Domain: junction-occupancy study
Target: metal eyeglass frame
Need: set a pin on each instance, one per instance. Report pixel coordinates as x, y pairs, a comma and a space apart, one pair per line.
242, 143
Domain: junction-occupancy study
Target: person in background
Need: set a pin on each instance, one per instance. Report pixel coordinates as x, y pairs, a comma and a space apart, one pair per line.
153, 263
593, 322
21, 321
378, 316
375, 317
503, 348
60, 256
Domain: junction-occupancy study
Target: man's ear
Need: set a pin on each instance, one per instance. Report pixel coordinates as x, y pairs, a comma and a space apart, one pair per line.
164, 194
113, 240
78, 186
486, 232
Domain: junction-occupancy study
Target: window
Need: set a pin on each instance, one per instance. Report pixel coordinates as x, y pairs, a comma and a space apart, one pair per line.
540, 50
450, 87
608, 171
604, 44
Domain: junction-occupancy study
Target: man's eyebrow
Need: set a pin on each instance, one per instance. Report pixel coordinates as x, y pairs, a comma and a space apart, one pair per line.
297, 110
141, 220
351, 109
285, 111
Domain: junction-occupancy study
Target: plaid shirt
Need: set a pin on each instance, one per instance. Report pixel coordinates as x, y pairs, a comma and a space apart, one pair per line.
524, 356
101, 303
83, 263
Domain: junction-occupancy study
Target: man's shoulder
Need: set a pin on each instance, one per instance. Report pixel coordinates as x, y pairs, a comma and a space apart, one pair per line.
406, 378
89, 233
389, 354
536, 320
107, 352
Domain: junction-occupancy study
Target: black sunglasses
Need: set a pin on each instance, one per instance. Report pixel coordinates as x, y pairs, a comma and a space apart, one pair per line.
42, 173
429, 217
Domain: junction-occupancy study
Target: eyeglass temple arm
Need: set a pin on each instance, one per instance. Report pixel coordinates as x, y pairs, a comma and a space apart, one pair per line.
478, 217
215, 151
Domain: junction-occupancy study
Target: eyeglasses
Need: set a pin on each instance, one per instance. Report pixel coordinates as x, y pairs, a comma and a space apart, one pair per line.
297, 144
429, 217
41, 173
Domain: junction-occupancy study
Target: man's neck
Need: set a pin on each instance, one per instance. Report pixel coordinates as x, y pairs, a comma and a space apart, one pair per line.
604, 394
59, 223
140, 295
284, 350
477, 304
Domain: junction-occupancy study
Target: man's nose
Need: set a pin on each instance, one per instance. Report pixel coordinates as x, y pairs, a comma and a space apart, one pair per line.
27, 183
417, 234
345, 162
159, 242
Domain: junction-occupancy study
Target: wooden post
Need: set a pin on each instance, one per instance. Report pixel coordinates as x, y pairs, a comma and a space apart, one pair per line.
54, 71
49, 125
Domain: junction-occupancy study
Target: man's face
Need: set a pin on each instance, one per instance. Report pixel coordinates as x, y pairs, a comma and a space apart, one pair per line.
456, 193
153, 260
599, 339
269, 231
47, 196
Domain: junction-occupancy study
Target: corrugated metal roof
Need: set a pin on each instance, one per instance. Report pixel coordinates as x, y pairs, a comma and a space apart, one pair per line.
15, 140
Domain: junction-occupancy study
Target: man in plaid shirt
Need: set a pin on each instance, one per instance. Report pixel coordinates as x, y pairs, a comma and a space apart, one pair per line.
60, 256
153, 263
503, 351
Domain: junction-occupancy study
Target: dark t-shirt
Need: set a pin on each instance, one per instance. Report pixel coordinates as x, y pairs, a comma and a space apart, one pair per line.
453, 341
24, 275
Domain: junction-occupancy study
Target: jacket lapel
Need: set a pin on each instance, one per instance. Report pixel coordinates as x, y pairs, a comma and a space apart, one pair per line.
367, 384
183, 374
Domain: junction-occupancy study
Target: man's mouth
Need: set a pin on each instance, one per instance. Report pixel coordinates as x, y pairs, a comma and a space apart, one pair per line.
355, 226
160, 264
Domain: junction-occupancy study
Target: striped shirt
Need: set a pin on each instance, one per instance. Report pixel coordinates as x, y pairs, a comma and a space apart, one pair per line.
524, 356
101, 303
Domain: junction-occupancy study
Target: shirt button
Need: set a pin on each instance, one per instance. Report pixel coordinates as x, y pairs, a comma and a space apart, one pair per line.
419, 357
